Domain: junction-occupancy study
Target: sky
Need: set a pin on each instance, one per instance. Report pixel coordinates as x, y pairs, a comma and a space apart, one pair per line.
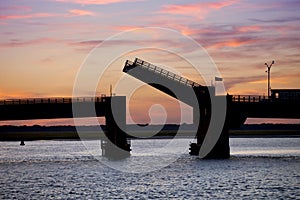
43, 44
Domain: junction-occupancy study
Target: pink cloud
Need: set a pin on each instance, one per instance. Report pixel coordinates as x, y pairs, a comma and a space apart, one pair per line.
199, 10
20, 43
85, 46
187, 30
77, 12
28, 16
95, 2
219, 5
71, 13
16, 8
232, 43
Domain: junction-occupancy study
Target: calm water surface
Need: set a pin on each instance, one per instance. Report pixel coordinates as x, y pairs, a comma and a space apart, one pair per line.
260, 168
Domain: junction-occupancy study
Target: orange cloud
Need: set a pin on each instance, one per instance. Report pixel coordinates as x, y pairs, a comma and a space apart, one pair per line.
124, 28
77, 12
249, 28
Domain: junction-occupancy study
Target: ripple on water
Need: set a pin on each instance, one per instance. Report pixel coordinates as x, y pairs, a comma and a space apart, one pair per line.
57, 173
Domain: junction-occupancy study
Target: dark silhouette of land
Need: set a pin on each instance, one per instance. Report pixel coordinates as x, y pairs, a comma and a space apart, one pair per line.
36, 132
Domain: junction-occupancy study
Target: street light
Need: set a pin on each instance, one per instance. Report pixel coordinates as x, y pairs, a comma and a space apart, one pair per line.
268, 70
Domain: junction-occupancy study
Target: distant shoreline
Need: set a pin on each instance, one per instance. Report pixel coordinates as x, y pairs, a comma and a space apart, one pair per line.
29, 133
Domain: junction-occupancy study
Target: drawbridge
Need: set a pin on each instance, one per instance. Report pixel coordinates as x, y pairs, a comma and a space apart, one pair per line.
209, 116
197, 96
167, 82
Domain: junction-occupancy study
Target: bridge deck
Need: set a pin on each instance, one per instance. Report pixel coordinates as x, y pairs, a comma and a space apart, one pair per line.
51, 100
51, 108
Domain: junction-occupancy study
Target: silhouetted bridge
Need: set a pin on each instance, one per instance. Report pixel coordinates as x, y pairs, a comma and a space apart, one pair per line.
237, 109
244, 107
55, 108
49, 108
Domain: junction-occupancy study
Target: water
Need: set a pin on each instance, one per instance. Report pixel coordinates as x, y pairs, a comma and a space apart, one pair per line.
258, 168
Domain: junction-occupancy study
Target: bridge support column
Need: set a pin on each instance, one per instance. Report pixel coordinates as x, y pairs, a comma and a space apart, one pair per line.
221, 149
116, 145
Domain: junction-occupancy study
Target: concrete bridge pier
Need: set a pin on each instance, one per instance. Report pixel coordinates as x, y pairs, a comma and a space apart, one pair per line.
116, 145
220, 149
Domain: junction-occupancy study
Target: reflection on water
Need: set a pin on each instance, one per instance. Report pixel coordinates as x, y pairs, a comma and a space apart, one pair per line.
271, 147
258, 168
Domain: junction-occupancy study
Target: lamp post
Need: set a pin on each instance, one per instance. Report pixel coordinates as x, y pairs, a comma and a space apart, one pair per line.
268, 70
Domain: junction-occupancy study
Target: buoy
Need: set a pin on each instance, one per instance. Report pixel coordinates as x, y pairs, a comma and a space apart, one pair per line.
22, 143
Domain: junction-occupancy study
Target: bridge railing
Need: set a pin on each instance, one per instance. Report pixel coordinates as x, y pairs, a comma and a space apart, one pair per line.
249, 98
146, 65
51, 100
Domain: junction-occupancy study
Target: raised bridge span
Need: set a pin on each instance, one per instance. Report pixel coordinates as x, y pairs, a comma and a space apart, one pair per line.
244, 106
238, 108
